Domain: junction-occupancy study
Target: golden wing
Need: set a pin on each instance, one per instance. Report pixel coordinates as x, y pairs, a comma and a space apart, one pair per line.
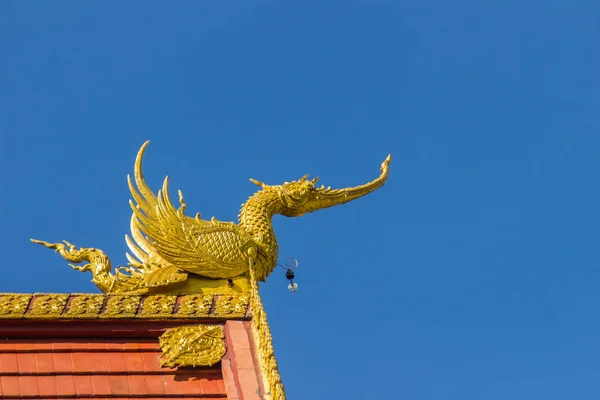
165, 236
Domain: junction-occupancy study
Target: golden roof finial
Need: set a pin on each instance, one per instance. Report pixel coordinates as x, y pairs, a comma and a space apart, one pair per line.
172, 252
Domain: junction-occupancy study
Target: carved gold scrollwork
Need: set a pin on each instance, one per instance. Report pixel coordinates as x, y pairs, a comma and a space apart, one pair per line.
85, 306
69, 306
192, 346
121, 307
232, 306
14, 305
158, 306
264, 341
48, 306
194, 306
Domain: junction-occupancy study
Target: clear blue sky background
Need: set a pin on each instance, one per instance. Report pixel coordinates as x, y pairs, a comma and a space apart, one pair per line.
472, 274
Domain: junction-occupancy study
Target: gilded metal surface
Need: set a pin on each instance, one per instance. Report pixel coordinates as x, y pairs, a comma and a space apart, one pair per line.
14, 305
231, 306
85, 306
195, 306
121, 306
195, 284
264, 342
95, 306
192, 346
158, 306
167, 246
47, 306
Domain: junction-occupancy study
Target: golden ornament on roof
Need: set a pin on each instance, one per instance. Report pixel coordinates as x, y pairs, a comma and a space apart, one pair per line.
172, 252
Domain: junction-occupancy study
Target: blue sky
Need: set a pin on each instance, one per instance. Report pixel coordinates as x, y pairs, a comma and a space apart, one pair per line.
472, 274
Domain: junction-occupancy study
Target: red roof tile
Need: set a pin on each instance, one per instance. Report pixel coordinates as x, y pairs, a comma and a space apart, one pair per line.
111, 368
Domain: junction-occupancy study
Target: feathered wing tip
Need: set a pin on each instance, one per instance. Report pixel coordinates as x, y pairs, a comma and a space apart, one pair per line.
145, 198
164, 239
144, 217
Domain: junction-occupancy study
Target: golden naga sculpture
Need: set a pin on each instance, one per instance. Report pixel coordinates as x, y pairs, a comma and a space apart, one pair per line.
172, 252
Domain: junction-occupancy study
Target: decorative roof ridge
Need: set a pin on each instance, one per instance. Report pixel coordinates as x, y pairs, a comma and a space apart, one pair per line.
100, 306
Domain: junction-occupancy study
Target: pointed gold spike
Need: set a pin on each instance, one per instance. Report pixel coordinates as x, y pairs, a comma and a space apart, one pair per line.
181, 200
257, 183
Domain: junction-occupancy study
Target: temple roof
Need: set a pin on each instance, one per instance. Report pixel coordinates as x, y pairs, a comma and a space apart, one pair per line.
94, 346
84, 368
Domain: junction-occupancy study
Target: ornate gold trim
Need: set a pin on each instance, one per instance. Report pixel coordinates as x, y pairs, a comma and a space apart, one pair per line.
47, 306
264, 343
231, 306
14, 305
158, 307
99, 306
121, 306
84, 306
192, 346
194, 306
